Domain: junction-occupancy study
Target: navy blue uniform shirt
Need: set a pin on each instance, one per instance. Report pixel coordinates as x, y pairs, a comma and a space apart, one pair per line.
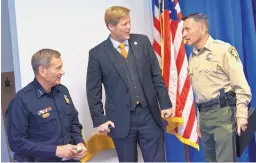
37, 121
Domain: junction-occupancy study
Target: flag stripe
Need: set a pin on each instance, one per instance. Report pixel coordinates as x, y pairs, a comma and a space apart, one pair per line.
180, 58
184, 94
157, 24
189, 126
173, 26
157, 48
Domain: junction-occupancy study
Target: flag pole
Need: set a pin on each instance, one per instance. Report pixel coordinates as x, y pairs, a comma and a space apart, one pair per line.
186, 153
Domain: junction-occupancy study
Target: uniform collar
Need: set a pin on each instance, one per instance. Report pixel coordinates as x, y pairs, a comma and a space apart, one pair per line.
208, 45
209, 42
40, 90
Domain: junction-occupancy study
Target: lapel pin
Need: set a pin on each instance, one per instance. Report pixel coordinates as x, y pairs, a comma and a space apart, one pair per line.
135, 43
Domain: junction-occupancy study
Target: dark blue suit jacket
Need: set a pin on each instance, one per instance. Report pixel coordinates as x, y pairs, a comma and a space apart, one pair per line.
104, 68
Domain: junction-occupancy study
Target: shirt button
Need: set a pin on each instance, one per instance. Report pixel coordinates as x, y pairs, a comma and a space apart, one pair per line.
132, 78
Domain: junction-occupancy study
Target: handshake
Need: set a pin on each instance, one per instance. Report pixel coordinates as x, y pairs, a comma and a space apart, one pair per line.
69, 151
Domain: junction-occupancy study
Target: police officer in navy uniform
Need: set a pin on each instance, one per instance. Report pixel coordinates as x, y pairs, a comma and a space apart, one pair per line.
42, 122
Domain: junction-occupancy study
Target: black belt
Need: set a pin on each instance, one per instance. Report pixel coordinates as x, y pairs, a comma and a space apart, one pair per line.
229, 101
210, 104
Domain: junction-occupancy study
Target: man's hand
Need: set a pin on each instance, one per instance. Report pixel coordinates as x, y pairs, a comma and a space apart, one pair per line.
241, 125
103, 129
198, 130
166, 113
80, 154
66, 151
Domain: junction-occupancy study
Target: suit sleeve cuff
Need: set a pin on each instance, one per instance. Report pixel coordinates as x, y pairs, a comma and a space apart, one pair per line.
78, 139
50, 150
166, 106
99, 120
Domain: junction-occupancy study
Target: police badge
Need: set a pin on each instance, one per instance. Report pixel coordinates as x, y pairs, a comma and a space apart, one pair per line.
66, 99
209, 57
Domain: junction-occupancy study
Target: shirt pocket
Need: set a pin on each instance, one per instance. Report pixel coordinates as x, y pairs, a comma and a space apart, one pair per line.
42, 120
208, 67
67, 111
45, 125
67, 117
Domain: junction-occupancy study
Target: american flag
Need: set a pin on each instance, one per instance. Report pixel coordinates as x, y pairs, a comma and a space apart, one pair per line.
170, 50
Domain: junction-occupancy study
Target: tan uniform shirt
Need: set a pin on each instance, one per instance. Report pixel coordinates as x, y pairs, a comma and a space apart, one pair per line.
217, 66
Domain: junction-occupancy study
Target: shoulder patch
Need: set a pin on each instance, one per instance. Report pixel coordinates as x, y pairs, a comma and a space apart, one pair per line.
232, 50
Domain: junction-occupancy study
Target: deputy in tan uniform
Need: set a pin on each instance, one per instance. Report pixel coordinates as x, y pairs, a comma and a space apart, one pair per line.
221, 90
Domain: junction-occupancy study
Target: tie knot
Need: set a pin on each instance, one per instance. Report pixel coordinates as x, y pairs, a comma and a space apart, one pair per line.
122, 45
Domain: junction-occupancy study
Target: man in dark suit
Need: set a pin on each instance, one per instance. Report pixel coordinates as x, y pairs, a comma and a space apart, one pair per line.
128, 68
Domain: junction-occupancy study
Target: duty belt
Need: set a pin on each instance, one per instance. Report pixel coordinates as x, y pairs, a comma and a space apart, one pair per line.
229, 100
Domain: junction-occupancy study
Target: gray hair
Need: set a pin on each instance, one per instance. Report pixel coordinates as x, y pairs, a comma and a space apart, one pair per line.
42, 58
198, 17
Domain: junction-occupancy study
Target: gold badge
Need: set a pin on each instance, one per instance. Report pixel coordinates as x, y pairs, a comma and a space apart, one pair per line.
66, 99
233, 52
45, 115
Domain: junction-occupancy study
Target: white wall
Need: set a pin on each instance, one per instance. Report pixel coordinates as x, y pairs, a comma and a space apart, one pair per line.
72, 27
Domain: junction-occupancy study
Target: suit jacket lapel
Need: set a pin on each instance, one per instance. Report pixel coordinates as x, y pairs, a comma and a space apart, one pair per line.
113, 53
136, 49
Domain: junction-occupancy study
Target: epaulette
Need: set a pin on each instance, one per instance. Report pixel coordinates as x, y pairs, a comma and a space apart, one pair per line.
27, 88
221, 42
61, 88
